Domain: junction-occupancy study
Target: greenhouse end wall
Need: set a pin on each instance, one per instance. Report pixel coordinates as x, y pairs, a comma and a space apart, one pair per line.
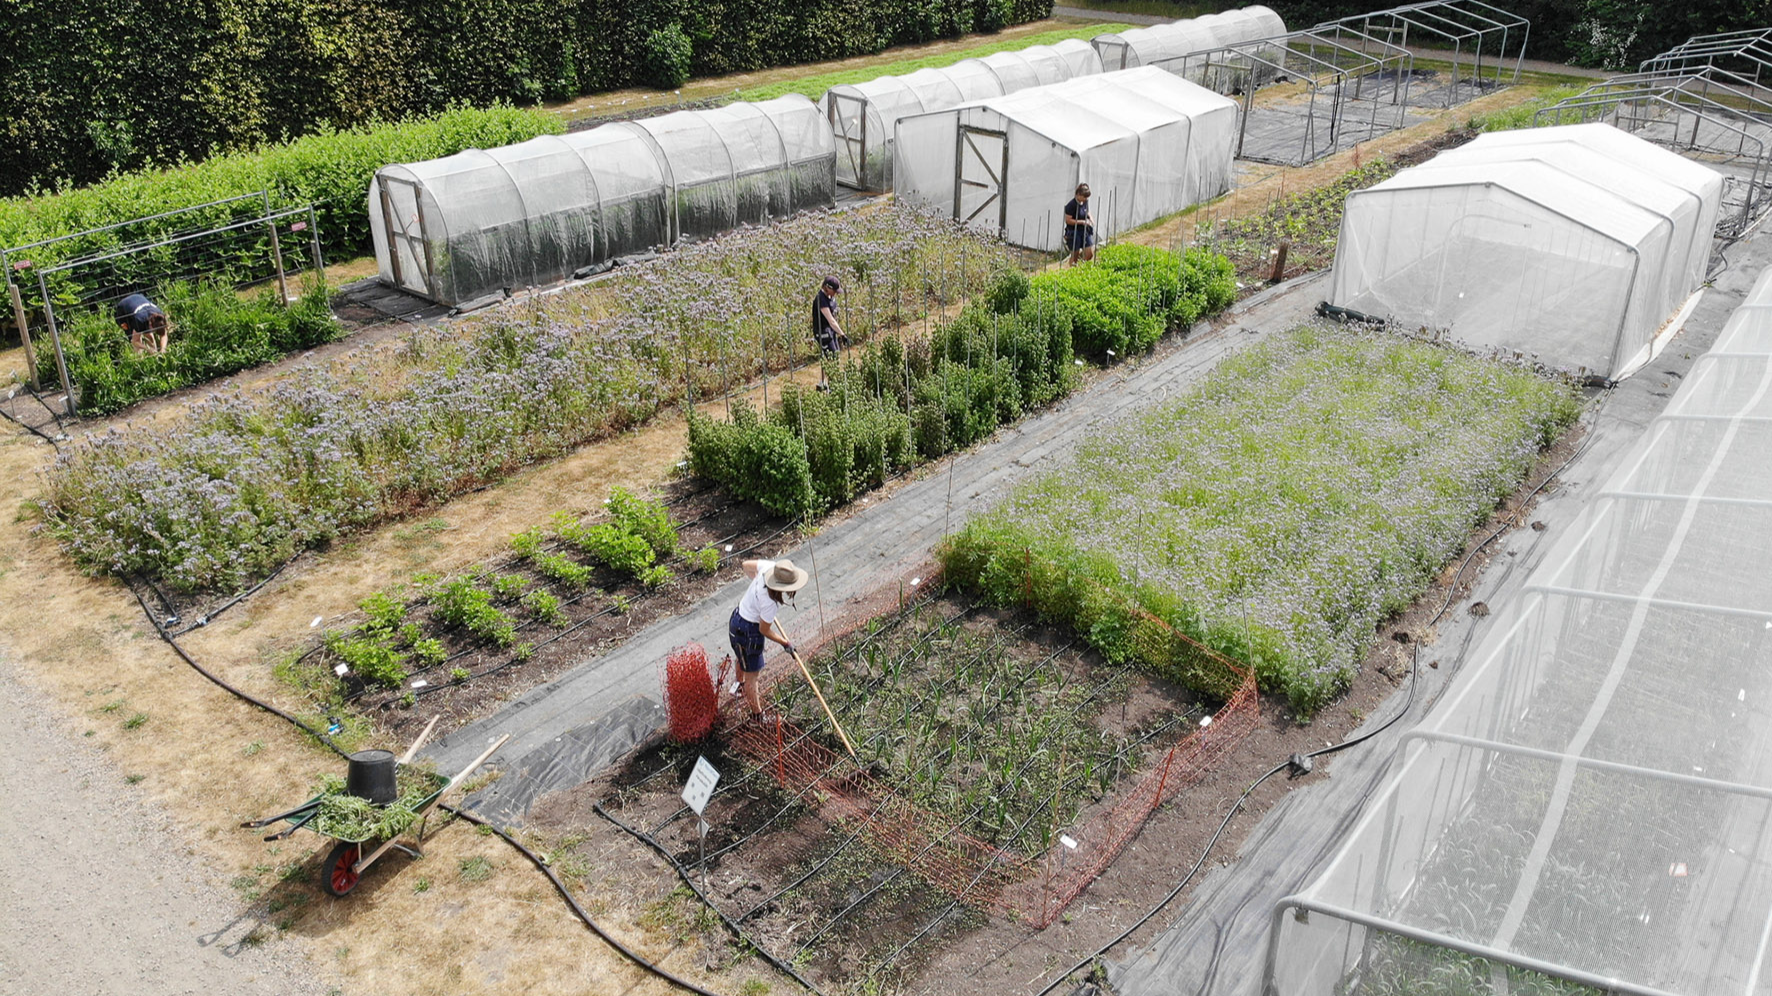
1575, 246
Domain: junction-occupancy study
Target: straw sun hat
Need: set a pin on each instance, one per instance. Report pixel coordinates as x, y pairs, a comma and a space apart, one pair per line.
784, 576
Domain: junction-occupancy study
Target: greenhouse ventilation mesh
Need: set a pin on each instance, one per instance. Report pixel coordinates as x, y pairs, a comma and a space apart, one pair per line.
938, 849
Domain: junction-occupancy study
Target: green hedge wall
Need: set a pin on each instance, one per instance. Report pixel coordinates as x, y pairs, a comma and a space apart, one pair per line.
92, 86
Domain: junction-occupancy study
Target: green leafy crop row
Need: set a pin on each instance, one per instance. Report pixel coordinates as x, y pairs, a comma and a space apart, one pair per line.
905, 400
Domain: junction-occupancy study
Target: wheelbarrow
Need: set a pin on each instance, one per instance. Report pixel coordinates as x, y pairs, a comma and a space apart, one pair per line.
346, 862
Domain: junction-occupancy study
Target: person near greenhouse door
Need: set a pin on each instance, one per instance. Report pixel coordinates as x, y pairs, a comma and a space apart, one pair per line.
1079, 228
754, 621
825, 331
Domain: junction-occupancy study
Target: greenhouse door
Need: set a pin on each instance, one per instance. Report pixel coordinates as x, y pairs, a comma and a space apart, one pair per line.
981, 168
409, 247
849, 123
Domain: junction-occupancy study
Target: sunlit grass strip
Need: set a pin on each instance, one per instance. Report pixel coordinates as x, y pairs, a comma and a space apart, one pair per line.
815, 86
1305, 490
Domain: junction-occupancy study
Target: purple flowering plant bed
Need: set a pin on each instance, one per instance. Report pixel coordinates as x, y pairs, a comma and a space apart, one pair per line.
1309, 488
247, 479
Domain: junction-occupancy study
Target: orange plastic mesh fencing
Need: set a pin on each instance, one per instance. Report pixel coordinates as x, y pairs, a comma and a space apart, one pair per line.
689, 696
938, 849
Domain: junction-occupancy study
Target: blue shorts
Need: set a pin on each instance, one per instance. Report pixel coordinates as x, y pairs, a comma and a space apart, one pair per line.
747, 642
1080, 237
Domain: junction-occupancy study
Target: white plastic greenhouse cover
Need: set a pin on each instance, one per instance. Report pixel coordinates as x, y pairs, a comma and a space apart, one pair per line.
1148, 144
1593, 798
1575, 244
862, 116
1147, 46
479, 222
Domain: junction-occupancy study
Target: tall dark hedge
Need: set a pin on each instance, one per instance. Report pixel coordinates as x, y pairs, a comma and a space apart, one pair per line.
87, 86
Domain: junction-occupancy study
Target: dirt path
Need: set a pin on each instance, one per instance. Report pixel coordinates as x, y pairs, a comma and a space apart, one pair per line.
104, 892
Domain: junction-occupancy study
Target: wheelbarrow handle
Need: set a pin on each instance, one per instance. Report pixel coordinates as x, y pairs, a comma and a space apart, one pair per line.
306, 807
295, 825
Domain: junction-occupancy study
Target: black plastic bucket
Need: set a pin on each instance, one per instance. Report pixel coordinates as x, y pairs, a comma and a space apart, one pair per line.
372, 776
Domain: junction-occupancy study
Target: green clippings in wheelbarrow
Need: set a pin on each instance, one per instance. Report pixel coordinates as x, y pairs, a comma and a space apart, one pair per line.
350, 818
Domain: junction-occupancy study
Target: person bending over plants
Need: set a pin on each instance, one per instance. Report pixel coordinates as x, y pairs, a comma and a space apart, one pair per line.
144, 323
825, 331
754, 621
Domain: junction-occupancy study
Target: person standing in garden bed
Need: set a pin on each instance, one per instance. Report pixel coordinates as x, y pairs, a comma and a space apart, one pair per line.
1079, 228
825, 331
754, 621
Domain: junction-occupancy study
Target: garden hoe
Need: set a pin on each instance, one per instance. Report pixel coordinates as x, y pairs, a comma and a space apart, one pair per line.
827, 706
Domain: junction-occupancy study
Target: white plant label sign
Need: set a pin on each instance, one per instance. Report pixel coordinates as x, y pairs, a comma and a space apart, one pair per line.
700, 785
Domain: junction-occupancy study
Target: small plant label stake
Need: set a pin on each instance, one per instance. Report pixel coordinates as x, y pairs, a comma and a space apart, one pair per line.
696, 793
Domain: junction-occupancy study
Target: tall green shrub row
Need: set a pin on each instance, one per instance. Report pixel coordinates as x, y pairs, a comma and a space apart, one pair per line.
903, 401
92, 86
330, 169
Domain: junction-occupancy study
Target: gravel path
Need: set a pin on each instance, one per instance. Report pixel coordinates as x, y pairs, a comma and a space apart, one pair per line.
99, 893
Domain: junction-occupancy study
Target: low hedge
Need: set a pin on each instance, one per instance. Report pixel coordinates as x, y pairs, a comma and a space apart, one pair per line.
902, 401
216, 331
330, 169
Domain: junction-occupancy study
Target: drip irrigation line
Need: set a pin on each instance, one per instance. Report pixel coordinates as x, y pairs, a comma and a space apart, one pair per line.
796, 883
209, 617
689, 881
1414, 678
39, 433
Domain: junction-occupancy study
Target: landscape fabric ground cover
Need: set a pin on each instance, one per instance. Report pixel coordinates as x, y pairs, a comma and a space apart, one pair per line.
243, 480
1306, 489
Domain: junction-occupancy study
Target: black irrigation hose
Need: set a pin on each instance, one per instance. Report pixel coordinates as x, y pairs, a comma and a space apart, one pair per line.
21, 423
1414, 675
559, 886
209, 617
689, 881
172, 641
577, 910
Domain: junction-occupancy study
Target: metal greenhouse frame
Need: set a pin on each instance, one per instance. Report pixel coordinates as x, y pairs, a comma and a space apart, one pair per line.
1342, 72
1750, 50
1472, 28
1711, 113
1591, 802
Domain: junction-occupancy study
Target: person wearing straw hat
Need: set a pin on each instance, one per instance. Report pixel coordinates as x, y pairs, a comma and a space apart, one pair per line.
754, 621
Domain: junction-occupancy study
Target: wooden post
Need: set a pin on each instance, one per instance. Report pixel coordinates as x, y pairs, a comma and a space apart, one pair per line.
277, 258
1279, 273
24, 331
61, 363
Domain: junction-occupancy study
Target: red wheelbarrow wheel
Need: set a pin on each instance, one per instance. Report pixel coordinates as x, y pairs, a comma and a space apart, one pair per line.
336, 874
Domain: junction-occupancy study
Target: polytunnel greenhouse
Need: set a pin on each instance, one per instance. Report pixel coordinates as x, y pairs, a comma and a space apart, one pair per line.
1148, 144
481, 222
1574, 244
862, 116
1161, 43
1591, 803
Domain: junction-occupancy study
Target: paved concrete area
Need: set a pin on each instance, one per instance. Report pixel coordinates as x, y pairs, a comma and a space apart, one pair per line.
564, 731
1216, 944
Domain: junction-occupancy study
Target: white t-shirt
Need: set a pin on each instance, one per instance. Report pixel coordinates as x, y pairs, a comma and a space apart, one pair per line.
756, 605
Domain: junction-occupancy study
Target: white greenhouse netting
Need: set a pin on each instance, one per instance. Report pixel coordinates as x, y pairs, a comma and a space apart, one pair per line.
1163, 42
481, 222
1592, 801
1148, 144
862, 116
1575, 244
